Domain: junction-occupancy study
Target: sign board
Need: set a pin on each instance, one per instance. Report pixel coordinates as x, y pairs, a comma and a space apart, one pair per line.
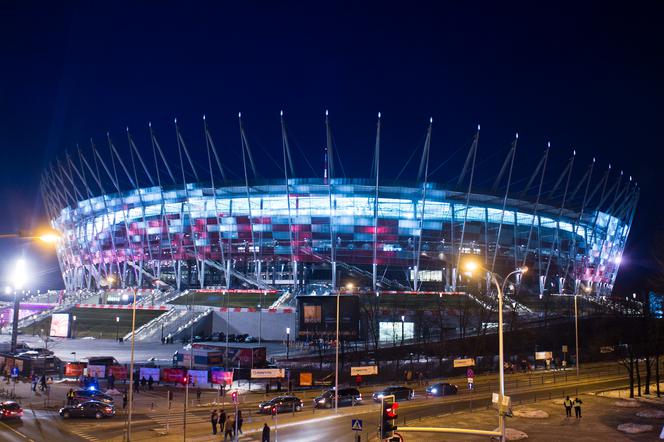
364, 370
469, 362
119, 372
543, 355
267, 373
172, 375
59, 325
607, 349
74, 369
471, 380
356, 425
98, 371
221, 377
146, 372
506, 403
306, 379
198, 377
564, 349
470, 373
14, 372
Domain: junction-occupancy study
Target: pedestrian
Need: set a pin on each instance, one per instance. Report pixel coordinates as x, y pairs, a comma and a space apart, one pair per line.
214, 418
111, 381
198, 394
70, 397
577, 407
34, 382
143, 381
222, 420
42, 381
150, 382
124, 400
137, 388
239, 420
266, 433
420, 378
568, 407
230, 430
267, 388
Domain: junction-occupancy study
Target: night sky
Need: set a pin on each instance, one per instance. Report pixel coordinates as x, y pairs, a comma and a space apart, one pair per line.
583, 75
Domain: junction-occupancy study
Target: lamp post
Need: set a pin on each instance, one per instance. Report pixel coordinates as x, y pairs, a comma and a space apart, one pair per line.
472, 266
73, 327
287, 343
403, 318
117, 327
349, 287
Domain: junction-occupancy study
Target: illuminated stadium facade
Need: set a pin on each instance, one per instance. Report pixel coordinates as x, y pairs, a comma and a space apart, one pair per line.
304, 232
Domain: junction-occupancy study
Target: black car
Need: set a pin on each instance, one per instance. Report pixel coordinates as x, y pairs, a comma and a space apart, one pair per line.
10, 410
281, 404
400, 393
94, 409
92, 395
347, 396
441, 389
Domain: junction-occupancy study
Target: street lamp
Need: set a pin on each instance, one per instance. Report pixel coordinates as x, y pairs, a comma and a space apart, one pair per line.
287, 343
403, 318
117, 326
73, 327
470, 267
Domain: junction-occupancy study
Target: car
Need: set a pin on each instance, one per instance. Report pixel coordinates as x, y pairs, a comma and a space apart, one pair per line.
94, 409
347, 396
400, 393
441, 389
281, 404
89, 394
250, 339
10, 410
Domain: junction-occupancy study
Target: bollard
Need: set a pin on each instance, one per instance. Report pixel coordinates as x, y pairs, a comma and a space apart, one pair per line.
151, 406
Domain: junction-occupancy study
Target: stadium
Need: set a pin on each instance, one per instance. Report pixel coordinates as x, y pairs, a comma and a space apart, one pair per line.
136, 221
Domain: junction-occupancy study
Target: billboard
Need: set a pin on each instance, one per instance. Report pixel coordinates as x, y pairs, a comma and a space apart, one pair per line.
197, 377
391, 331
146, 372
219, 376
98, 371
267, 373
172, 375
59, 325
317, 316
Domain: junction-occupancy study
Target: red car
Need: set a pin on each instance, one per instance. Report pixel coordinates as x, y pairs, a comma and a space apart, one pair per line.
10, 410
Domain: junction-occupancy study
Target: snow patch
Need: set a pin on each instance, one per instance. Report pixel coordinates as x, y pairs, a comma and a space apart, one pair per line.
633, 428
652, 413
627, 403
113, 392
513, 434
531, 413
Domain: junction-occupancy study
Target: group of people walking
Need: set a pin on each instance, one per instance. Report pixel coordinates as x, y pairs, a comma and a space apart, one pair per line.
225, 424
576, 403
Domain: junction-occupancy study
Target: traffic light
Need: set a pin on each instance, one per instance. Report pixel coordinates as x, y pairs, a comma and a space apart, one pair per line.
234, 397
274, 410
389, 417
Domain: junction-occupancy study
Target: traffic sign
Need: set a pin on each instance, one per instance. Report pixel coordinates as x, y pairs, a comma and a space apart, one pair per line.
470, 373
14, 372
469, 362
471, 380
564, 349
356, 425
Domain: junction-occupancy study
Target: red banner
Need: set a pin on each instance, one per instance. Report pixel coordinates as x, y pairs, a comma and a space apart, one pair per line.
119, 372
74, 369
222, 377
172, 375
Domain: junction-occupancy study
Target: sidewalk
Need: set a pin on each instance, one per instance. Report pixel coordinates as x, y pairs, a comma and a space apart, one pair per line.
546, 421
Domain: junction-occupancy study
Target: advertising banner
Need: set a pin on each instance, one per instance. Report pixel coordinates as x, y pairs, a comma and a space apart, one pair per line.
172, 375
543, 355
198, 377
97, 370
468, 362
267, 373
59, 325
306, 379
74, 369
364, 370
119, 372
146, 372
219, 376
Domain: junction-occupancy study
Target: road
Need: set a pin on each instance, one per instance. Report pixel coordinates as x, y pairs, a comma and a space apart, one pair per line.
152, 416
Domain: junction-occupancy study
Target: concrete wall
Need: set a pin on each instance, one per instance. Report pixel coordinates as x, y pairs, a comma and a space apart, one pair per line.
272, 324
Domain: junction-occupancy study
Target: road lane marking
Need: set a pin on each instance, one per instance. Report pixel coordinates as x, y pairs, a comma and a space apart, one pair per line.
17, 432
